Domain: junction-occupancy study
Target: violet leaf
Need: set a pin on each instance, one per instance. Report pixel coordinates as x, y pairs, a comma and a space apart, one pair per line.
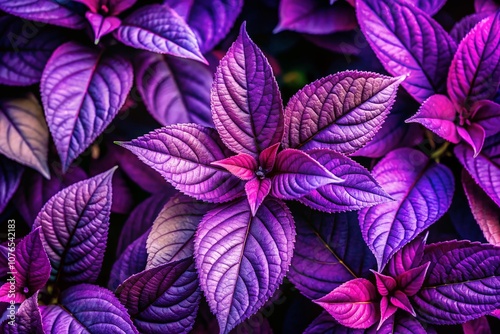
46, 11
484, 210
325, 324
477, 326
463, 282
27, 320
10, 177
87, 308
174, 90
358, 190
172, 235
162, 299
209, 20
422, 190
183, 155
246, 101
408, 257
486, 5
475, 70
157, 28
431, 7
353, 304
315, 16
24, 136
74, 225
341, 112
402, 324
486, 113
242, 259
465, 25
408, 41
485, 168
82, 89
329, 252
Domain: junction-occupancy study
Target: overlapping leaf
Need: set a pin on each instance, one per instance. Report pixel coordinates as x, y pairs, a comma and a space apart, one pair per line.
422, 190
325, 324
462, 27
431, 7
242, 259
82, 91
27, 320
341, 112
487, 6
408, 41
401, 323
10, 177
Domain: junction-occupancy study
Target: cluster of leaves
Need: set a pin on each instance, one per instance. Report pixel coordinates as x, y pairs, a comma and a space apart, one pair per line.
241, 190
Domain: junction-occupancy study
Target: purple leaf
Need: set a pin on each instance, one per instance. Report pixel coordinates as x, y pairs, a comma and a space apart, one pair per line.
402, 324
172, 235
242, 165
315, 17
325, 324
162, 299
174, 90
24, 136
82, 91
486, 5
246, 102
463, 282
241, 260
486, 113
25, 55
329, 252
438, 114
35, 190
31, 269
408, 257
358, 190
209, 20
10, 177
485, 168
477, 326
431, 7
485, 211
256, 191
46, 11
75, 225
87, 308
28, 318
341, 112
475, 71
102, 25
132, 260
465, 25
183, 155
408, 41
353, 304
141, 219
157, 28
422, 190
297, 174
113, 7
473, 135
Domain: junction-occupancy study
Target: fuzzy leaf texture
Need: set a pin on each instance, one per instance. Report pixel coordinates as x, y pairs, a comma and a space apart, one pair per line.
183, 154
408, 41
463, 282
75, 225
82, 90
10, 177
341, 112
422, 190
157, 28
242, 259
87, 308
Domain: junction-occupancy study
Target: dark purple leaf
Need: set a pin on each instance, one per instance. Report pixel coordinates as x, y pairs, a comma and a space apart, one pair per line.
114, 7
422, 190
341, 112
75, 225
477, 326
485, 211
157, 28
315, 16
102, 25
353, 304
358, 190
183, 155
28, 318
329, 252
463, 282
408, 41
174, 90
162, 299
486, 113
24, 136
485, 168
431, 7
46, 11
408, 257
242, 259
82, 91
325, 324
209, 20
473, 135
10, 176
172, 235
475, 71
246, 102
402, 324
465, 25
26, 47
486, 5
85, 309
